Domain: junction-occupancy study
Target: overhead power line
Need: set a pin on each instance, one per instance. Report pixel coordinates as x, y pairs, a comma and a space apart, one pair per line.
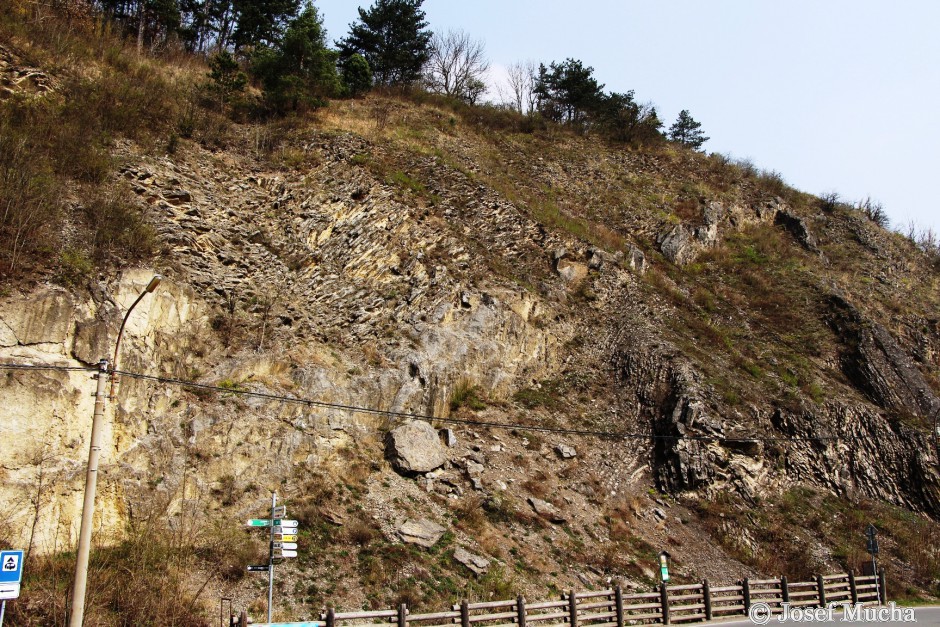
609, 435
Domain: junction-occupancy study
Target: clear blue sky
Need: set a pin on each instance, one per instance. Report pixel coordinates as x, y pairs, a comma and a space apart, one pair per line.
836, 95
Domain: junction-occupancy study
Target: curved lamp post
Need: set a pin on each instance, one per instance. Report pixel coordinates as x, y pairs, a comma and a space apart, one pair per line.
154, 282
91, 478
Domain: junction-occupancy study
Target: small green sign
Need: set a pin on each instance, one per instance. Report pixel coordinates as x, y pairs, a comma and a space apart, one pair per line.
258, 522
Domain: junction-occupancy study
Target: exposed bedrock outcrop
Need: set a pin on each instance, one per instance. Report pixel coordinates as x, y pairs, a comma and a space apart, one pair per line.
878, 366
847, 447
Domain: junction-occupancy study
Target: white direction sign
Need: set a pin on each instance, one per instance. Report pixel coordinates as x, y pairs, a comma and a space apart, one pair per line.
284, 553
286, 523
285, 545
280, 511
9, 591
281, 529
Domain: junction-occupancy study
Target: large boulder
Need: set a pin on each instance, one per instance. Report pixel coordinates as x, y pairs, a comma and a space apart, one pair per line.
422, 532
415, 447
547, 511
476, 563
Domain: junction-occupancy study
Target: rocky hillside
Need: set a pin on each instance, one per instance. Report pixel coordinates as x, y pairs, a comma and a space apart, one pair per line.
636, 349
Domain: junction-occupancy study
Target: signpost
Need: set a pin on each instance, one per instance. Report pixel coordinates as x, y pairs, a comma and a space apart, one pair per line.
664, 566
871, 532
11, 574
282, 544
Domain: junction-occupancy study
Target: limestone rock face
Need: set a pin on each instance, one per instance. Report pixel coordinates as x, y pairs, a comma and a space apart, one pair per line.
677, 245
44, 318
415, 447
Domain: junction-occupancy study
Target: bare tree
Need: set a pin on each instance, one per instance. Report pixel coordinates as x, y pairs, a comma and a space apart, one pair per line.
520, 80
457, 66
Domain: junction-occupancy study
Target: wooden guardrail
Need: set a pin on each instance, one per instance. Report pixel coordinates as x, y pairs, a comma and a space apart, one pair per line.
678, 604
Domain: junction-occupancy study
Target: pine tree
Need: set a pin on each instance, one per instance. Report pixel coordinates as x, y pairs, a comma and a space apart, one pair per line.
357, 75
394, 39
262, 21
687, 131
567, 92
300, 72
226, 76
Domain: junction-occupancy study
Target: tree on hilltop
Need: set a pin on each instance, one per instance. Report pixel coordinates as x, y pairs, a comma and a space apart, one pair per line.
300, 71
393, 38
567, 92
622, 119
687, 131
456, 66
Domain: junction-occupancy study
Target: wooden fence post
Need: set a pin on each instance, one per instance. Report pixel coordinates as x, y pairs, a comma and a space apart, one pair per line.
403, 615
821, 586
746, 593
520, 610
664, 601
618, 599
882, 587
572, 609
852, 587
243, 619
784, 590
464, 613
707, 599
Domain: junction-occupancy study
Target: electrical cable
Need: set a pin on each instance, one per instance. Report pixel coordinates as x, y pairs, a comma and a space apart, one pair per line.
609, 435
612, 435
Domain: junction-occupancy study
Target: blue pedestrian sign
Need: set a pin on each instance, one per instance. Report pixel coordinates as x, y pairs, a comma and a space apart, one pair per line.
11, 566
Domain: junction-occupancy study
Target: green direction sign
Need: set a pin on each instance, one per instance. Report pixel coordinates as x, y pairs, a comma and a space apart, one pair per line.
258, 522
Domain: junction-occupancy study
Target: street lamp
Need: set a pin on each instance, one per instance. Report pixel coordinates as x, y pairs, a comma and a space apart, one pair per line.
91, 478
154, 282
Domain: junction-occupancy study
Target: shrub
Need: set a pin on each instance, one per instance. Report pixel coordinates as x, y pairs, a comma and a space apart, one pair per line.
119, 230
874, 211
466, 394
829, 201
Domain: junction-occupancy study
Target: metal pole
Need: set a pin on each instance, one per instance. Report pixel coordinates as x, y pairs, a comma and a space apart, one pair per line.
271, 557
3, 610
88, 508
